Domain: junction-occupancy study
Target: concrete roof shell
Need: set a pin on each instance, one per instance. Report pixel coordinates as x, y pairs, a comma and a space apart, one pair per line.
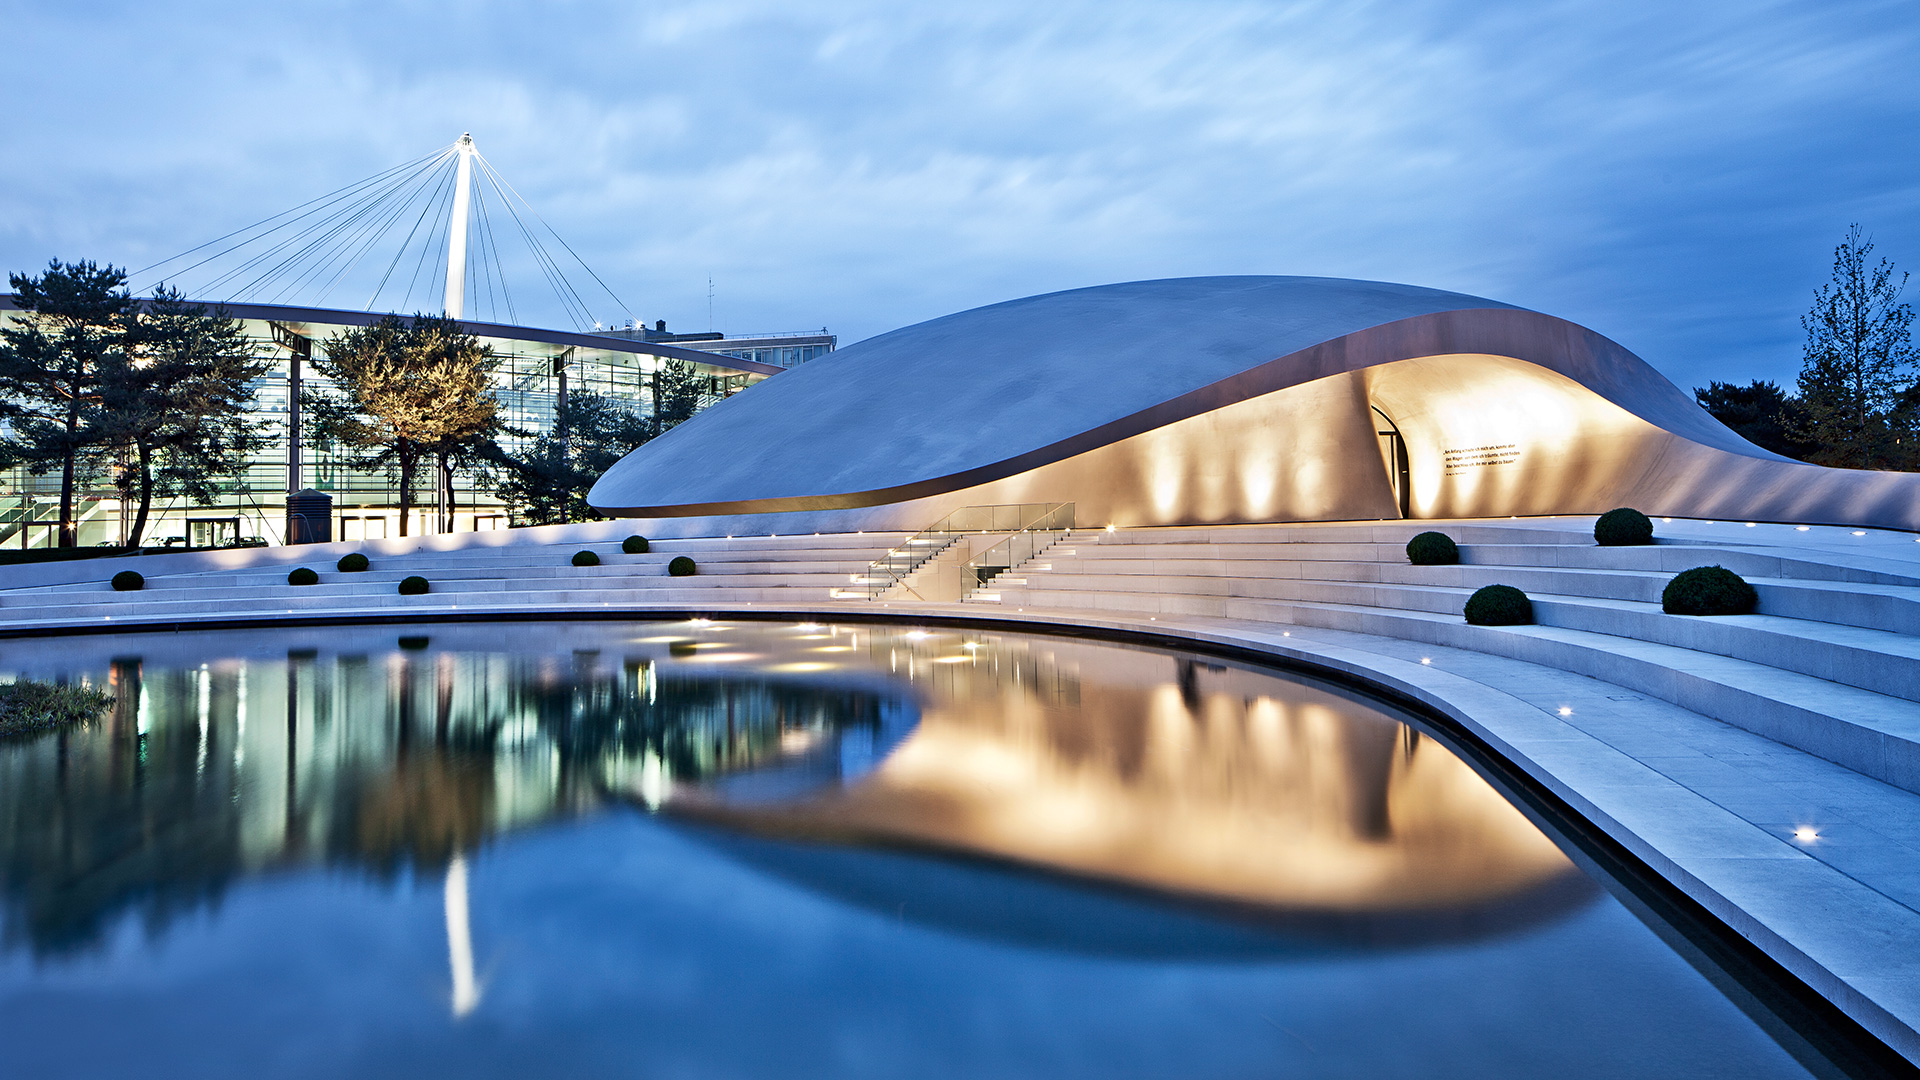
988, 393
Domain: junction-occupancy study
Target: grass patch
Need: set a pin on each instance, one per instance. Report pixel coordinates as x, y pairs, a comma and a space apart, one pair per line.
28, 707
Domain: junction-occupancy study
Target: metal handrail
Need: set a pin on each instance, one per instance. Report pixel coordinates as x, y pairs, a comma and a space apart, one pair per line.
1015, 550
915, 551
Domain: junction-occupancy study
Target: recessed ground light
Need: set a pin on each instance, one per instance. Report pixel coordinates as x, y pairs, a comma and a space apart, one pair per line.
1857, 532
1804, 528
1286, 633
1109, 528
1426, 659
1667, 519
1564, 711
1806, 834
1750, 524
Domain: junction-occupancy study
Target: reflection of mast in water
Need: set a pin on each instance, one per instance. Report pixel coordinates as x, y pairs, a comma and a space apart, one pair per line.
466, 991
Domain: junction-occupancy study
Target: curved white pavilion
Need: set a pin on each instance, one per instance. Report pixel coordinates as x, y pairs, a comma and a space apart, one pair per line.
1232, 399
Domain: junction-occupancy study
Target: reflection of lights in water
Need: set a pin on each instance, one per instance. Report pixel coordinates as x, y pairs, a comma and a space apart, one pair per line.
721, 658
917, 635
466, 990
664, 640
833, 648
655, 782
802, 666
952, 659
808, 627
796, 740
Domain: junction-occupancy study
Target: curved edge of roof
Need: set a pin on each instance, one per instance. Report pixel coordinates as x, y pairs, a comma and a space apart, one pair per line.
340, 317
1603, 366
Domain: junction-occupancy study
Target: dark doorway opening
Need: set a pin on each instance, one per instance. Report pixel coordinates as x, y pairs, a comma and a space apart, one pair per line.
1393, 454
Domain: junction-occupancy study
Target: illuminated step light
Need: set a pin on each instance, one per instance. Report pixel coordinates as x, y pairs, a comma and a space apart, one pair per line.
1806, 834
1565, 711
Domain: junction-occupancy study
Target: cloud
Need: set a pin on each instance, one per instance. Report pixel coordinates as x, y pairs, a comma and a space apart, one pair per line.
1672, 176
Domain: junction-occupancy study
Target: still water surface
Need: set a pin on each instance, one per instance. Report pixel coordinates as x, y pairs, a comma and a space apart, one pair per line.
701, 849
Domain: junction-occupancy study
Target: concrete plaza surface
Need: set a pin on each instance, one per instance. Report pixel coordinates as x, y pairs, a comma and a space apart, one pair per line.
1767, 765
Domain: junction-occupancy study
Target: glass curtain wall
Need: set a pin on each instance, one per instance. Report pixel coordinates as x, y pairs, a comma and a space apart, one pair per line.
252, 506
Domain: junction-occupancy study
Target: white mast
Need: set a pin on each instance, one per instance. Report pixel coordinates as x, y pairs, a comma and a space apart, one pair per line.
457, 232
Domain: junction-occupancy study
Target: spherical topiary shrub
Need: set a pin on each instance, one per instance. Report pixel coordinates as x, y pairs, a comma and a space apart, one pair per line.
1622, 528
1708, 590
351, 563
634, 545
1499, 605
1433, 549
128, 581
681, 566
585, 558
413, 585
301, 575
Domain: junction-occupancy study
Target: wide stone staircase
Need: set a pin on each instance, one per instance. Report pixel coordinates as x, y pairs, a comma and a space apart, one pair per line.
1830, 664
770, 570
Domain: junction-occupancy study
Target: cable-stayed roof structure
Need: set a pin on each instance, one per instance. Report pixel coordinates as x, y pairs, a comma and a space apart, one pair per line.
445, 230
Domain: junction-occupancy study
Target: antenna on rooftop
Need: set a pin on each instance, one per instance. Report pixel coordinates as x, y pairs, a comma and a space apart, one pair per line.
439, 207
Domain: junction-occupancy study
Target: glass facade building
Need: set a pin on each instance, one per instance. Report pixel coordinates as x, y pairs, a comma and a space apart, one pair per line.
535, 368
783, 350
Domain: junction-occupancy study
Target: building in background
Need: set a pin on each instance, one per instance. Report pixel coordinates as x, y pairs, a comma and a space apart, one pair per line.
536, 367
782, 350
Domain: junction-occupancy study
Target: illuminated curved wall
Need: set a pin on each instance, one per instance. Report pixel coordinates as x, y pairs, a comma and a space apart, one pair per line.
1206, 400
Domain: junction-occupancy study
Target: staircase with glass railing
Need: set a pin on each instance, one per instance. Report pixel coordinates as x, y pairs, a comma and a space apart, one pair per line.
954, 557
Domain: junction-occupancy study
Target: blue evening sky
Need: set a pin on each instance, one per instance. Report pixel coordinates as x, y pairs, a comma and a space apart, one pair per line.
1673, 175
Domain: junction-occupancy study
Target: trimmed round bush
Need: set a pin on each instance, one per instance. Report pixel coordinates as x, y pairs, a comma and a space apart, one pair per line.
1433, 549
128, 581
351, 563
1622, 528
413, 585
1499, 605
681, 566
1708, 590
634, 545
302, 575
585, 558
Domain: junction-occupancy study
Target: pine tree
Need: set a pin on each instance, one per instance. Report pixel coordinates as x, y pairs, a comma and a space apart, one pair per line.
178, 410
547, 484
1858, 360
407, 392
55, 361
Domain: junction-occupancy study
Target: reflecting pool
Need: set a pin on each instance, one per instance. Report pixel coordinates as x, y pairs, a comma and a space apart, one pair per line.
702, 849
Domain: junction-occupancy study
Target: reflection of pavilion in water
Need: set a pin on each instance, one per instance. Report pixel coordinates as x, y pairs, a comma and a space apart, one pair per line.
1179, 775
387, 763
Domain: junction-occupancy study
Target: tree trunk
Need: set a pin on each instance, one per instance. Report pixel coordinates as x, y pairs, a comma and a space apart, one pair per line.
69, 534
445, 479
406, 484
146, 497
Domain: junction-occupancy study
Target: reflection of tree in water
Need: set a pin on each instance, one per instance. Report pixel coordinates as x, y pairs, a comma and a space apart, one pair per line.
386, 764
